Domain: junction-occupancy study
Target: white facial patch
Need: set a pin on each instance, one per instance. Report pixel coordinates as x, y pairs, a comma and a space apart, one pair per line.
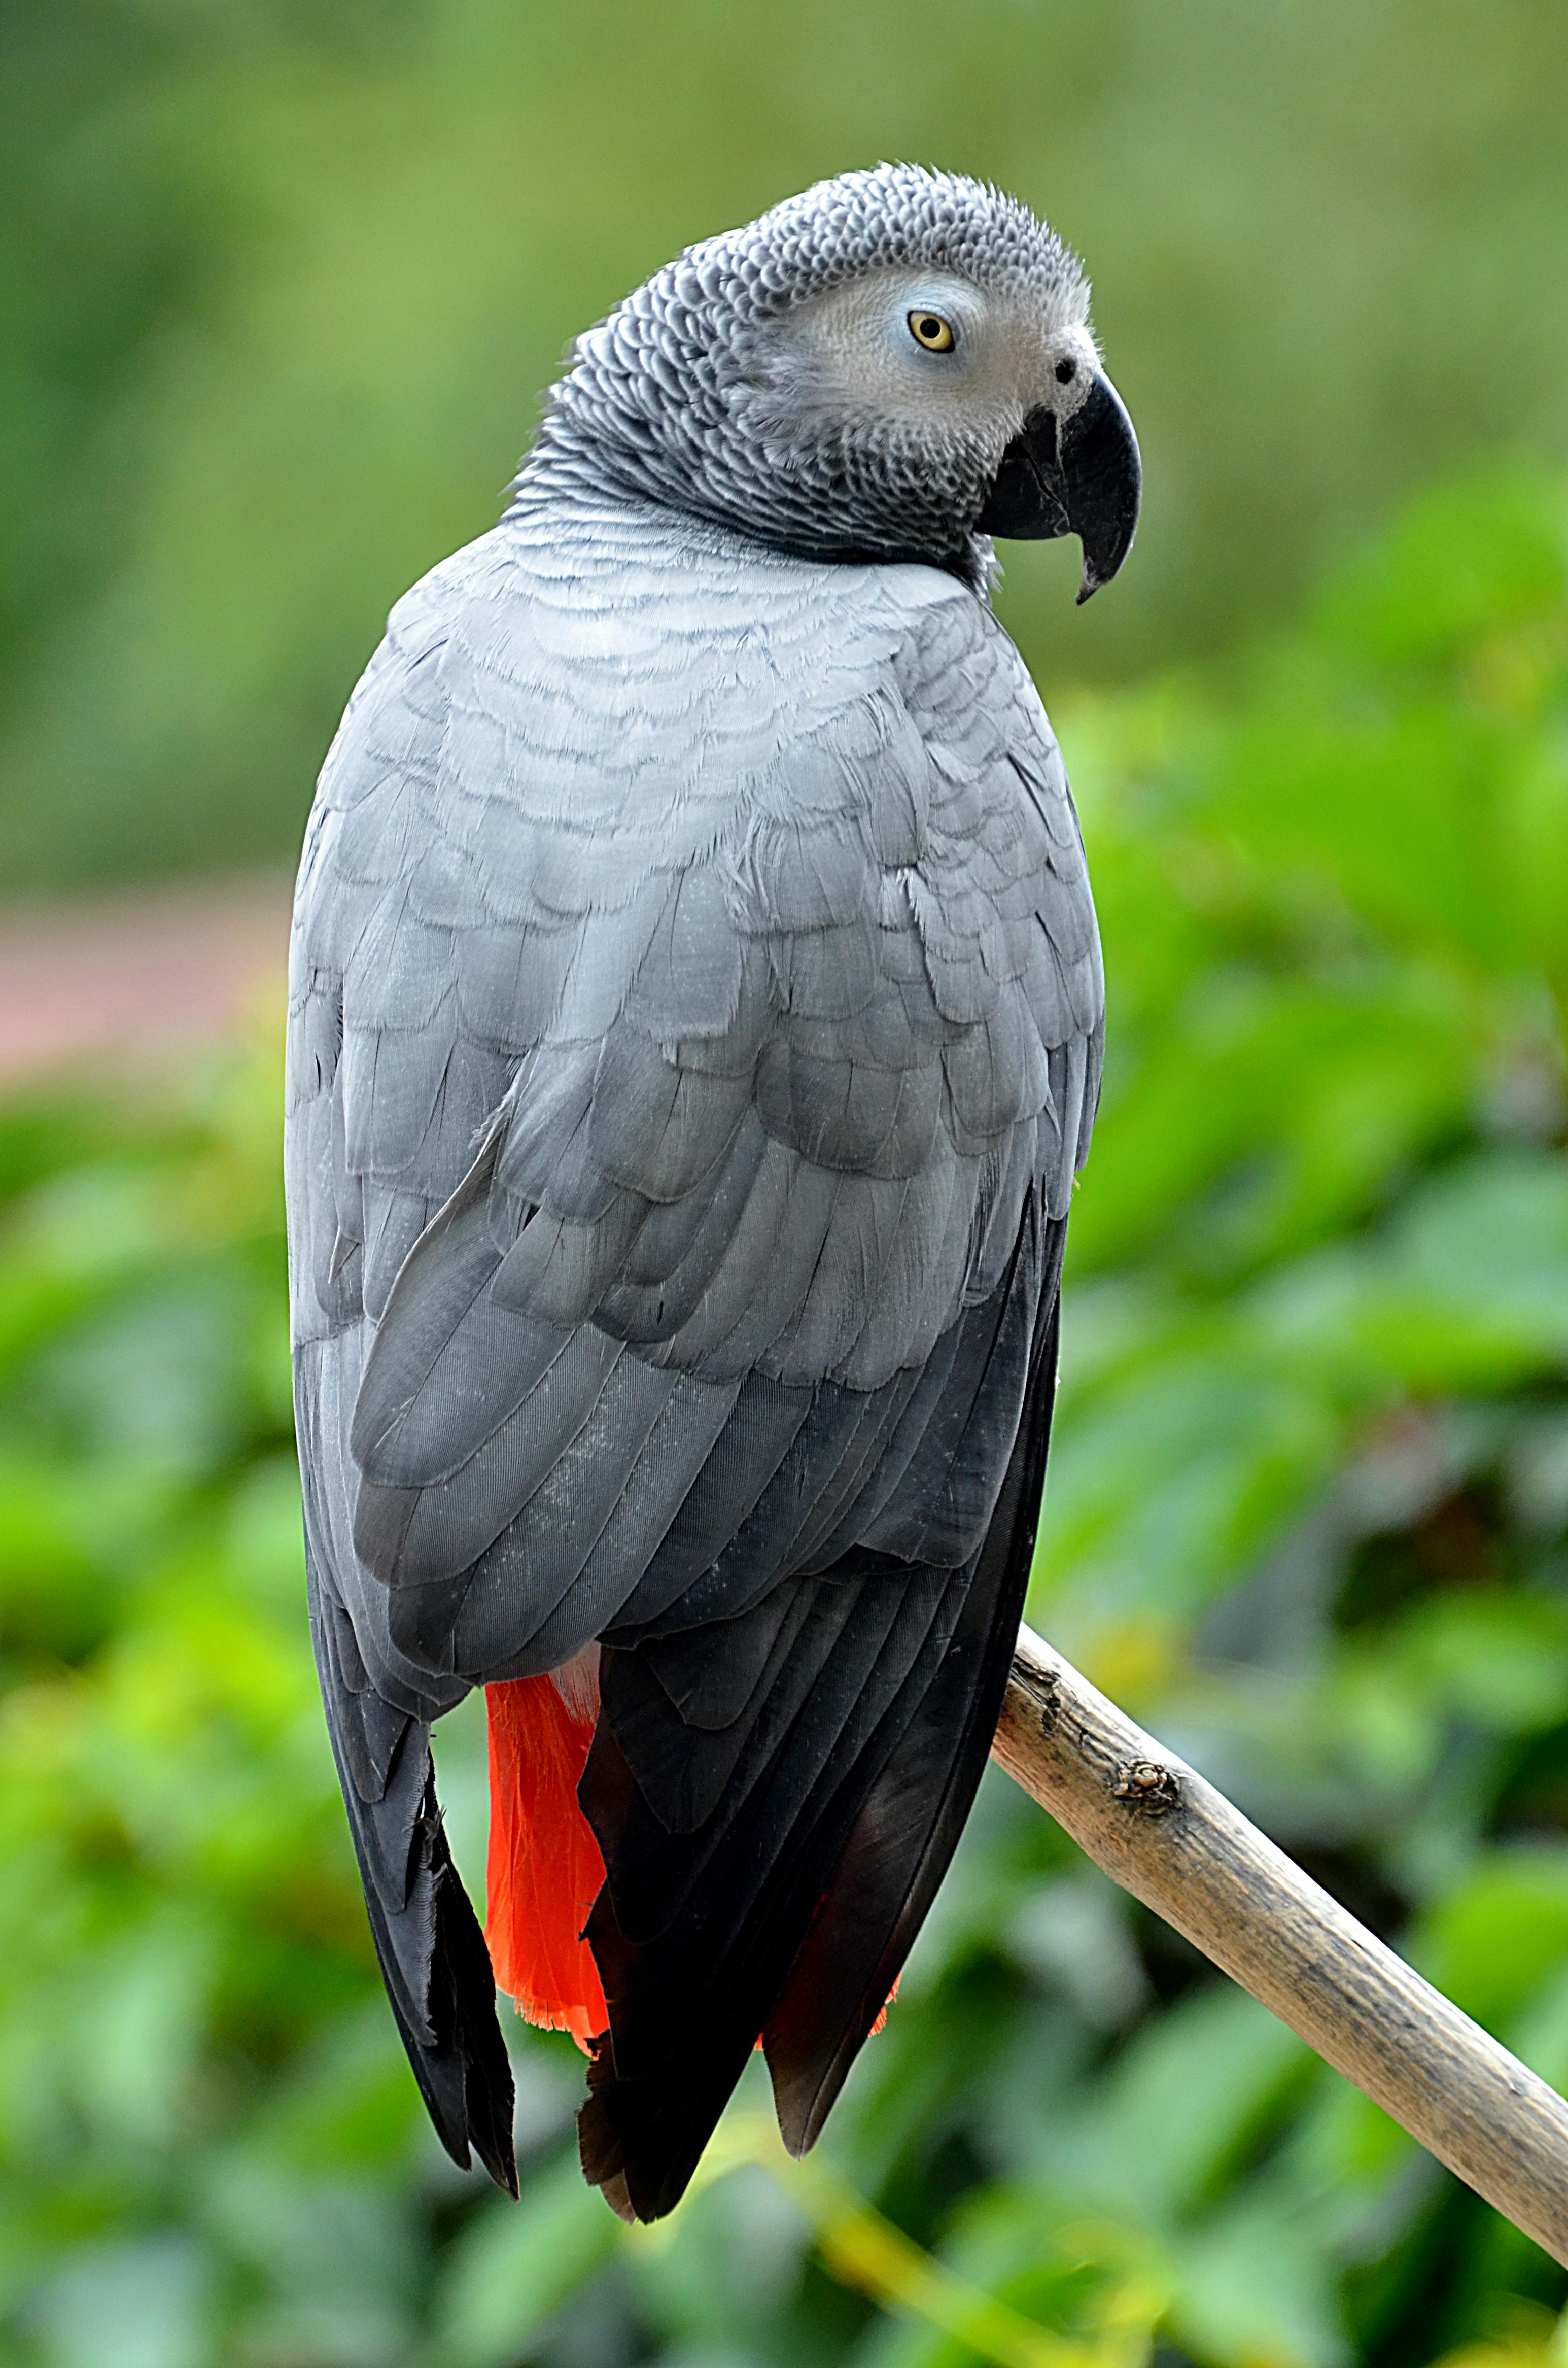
854, 351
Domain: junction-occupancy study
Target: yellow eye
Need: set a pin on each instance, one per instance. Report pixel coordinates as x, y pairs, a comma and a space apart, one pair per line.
929, 329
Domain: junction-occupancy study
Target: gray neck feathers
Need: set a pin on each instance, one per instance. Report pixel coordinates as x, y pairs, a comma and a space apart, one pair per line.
671, 398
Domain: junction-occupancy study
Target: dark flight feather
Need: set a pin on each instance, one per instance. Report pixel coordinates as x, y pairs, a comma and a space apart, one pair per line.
428, 1943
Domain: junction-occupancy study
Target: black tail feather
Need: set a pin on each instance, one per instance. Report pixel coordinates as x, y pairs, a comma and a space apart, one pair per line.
903, 1839
688, 2008
428, 1939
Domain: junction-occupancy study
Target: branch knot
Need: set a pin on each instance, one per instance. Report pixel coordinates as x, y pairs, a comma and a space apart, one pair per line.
1146, 1785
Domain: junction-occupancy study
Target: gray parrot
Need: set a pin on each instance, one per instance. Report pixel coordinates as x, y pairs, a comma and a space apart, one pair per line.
696, 1015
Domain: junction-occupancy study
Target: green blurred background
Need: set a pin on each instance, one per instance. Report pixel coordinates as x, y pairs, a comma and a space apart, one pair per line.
279, 285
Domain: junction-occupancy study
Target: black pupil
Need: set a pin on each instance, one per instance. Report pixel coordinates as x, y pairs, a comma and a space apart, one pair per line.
931, 328
1067, 372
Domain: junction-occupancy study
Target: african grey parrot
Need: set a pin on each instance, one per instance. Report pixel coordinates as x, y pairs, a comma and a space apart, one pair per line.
695, 1030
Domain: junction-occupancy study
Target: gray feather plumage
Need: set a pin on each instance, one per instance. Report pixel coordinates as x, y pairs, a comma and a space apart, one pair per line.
696, 1015
768, 1028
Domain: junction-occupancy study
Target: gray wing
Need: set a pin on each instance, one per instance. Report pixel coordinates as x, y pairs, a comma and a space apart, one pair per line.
695, 994
763, 1045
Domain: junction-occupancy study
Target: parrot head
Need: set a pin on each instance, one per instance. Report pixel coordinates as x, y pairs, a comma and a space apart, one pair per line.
894, 365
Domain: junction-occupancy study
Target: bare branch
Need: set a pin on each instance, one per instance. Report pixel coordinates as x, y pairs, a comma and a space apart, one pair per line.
1177, 1844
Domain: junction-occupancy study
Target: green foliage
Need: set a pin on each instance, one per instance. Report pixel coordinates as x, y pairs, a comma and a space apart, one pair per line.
280, 287
1308, 1515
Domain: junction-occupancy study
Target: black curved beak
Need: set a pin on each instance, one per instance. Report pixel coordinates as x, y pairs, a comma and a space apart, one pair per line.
1083, 478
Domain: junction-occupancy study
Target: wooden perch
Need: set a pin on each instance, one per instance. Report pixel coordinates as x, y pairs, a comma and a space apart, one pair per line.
1178, 1845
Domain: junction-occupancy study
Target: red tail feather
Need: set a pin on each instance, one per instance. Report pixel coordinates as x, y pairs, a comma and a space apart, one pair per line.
544, 1870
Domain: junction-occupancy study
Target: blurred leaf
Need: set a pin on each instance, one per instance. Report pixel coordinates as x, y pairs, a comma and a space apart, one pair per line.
1193, 2091
516, 2267
1254, 2290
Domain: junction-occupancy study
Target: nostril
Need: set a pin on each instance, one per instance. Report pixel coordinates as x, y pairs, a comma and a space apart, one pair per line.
1065, 373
